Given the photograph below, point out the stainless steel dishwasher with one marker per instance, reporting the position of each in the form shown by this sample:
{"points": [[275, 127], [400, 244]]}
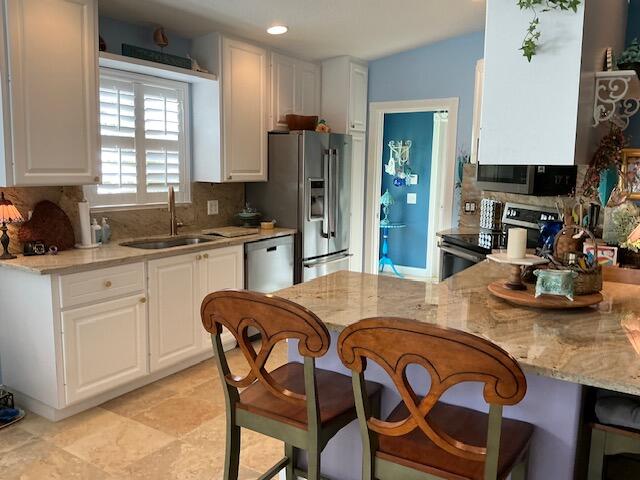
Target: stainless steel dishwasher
{"points": [[269, 264]]}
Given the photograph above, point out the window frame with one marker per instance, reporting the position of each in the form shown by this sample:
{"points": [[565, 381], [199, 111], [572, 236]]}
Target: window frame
{"points": [[143, 199]]}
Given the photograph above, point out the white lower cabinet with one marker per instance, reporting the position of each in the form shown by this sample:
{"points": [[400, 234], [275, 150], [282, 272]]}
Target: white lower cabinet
{"points": [[104, 346], [177, 286], [96, 334], [220, 269], [174, 330]]}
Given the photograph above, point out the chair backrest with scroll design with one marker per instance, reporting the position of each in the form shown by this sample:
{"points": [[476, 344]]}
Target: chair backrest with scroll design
{"points": [[450, 357], [276, 319]]}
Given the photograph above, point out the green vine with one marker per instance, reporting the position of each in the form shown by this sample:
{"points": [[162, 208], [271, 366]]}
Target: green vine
{"points": [[531, 39]]}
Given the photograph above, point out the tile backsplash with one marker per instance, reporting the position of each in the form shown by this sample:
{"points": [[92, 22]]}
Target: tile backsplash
{"points": [[136, 222]]}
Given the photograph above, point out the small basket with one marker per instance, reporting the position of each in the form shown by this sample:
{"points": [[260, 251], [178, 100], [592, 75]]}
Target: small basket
{"points": [[586, 283], [302, 122]]}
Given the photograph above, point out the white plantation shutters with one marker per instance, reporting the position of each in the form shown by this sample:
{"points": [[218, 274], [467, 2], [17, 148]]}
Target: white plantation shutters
{"points": [[144, 132], [162, 132], [118, 130]]}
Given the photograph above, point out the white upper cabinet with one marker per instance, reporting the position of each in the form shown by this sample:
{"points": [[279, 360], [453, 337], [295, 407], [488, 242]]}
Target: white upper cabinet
{"points": [[244, 106], [541, 112], [242, 70], [358, 80], [308, 81], [344, 94], [283, 89], [49, 93], [295, 89]]}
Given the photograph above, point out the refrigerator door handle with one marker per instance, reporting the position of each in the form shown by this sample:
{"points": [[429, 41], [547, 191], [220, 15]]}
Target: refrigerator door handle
{"points": [[317, 263], [326, 219], [332, 194], [336, 192]]}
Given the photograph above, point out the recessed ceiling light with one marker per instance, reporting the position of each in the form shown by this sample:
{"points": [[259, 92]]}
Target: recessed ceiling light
{"points": [[277, 30]]}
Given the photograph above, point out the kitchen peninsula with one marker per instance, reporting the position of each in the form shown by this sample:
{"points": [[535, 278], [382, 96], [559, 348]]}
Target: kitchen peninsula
{"points": [[560, 351]]}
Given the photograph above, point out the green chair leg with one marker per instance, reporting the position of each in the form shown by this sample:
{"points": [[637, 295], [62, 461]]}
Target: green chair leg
{"points": [[290, 453], [232, 452], [596, 454], [313, 460]]}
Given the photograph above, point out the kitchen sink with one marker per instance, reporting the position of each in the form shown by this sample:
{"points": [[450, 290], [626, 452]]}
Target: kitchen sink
{"points": [[168, 242]]}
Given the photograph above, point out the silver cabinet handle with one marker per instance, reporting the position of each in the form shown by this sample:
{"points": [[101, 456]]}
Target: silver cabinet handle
{"points": [[458, 253]]}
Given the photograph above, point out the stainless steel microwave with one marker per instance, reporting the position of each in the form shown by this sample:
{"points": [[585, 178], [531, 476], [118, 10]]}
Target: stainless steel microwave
{"points": [[539, 180]]}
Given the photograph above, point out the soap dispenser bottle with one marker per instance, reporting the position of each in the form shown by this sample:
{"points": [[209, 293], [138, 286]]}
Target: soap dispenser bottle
{"points": [[96, 236], [106, 230]]}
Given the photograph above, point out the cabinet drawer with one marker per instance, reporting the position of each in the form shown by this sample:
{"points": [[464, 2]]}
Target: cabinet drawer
{"points": [[86, 287]]}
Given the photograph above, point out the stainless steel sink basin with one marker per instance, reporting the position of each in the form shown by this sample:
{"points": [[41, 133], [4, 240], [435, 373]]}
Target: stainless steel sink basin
{"points": [[168, 242]]}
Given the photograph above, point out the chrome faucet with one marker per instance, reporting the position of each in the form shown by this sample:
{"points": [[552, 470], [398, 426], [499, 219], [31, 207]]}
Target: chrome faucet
{"points": [[174, 224]]}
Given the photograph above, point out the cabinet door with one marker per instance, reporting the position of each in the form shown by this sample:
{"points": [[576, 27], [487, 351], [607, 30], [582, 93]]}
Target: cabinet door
{"points": [[308, 78], [221, 269], [358, 79], [356, 233], [53, 64], [174, 315], [477, 109], [283, 89], [104, 346], [244, 104]]}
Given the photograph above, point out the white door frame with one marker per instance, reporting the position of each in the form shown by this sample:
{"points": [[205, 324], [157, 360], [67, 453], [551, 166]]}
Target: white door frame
{"points": [[441, 185]]}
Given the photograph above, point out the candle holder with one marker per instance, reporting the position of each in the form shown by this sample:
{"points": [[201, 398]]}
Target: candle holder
{"points": [[514, 282]]}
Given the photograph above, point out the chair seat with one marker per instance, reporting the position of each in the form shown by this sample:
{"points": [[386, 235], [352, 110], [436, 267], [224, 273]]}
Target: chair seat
{"points": [[417, 451], [335, 396]]}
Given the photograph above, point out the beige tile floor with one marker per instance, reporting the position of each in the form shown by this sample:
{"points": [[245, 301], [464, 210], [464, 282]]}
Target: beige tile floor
{"points": [[171, 429]]}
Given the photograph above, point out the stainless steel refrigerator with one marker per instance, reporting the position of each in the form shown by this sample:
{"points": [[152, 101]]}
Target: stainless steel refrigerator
{"points": [[309, 190]]}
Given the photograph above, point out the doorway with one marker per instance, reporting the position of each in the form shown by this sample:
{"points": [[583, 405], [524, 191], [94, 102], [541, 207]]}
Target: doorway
{"points": [[412, 156]]}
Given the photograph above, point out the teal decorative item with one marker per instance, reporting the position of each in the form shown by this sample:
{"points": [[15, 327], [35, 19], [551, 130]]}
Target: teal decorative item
{"points": [[386, 200], [608, 182], [555, 282]]}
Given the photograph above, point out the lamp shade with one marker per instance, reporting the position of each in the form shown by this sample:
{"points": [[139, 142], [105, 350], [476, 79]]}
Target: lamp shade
{"points": [[8, 211]]}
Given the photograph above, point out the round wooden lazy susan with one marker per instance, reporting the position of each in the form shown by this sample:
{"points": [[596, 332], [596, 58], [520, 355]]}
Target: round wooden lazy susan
{"points": [[527, 298]]}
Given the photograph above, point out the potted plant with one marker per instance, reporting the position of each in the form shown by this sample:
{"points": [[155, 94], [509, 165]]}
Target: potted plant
{"points": [[630, 58]]}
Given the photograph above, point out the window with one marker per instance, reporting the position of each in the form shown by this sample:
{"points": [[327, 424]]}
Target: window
{"points": [[145, 140]]}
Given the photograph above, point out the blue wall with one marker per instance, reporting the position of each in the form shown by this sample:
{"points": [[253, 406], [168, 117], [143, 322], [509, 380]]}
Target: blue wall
{"points": [[440, 70], [408, 246], [116, 32]]}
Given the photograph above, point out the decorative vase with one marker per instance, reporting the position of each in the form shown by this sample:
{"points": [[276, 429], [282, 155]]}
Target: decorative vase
{"points": [[608, 181]]}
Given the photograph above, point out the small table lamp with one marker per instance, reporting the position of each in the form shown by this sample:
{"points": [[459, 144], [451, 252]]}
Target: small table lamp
{"points": [[8, 214]]}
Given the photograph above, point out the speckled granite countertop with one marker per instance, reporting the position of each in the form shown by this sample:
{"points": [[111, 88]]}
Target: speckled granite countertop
{"points": [[112, 254], [598, 346]]}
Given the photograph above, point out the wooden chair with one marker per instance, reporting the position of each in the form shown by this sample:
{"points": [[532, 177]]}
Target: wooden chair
{"points": [[424, 438], [299, 404], [610, 440]]}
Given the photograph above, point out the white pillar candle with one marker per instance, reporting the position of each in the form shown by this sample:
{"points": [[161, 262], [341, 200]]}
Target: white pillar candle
{"points": [[517, 243]]}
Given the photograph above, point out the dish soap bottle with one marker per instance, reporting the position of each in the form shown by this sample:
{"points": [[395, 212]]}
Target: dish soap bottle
{"points": [[96, 234], [106, 230]]}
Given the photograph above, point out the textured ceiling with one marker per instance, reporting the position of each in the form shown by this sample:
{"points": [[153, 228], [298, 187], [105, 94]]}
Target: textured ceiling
{"points": [[319, 29]]}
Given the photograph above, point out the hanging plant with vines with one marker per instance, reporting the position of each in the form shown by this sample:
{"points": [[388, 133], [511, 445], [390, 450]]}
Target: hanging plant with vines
{"points": [[536, 7]]}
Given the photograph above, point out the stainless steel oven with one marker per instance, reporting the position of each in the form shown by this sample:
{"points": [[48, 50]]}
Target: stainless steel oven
{"points": [[454, 259]]}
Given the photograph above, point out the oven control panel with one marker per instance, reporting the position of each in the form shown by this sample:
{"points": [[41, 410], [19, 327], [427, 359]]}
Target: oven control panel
{"points": [[526, 215]]}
